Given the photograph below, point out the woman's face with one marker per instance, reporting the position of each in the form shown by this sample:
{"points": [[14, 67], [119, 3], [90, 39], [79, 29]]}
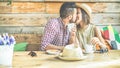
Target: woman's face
{"points": [[79, 16]]}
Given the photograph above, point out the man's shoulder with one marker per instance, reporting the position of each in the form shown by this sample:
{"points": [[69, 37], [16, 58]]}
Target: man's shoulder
{"points": [[54, 22], [54, 19]]}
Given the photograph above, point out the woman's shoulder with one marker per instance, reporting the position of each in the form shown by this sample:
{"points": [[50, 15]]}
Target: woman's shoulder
{"points": [[92, 25]]}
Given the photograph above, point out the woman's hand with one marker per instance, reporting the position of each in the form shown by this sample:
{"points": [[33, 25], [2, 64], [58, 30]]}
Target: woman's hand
{"points": [[96, 41]]}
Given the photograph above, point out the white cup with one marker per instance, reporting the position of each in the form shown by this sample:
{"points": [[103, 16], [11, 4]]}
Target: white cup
{"points": [[70, 26], [6, 55], [89, 48]]}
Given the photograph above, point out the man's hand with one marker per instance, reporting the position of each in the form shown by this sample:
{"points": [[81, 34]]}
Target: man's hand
{"points": [[72, 34], [73, 31]]}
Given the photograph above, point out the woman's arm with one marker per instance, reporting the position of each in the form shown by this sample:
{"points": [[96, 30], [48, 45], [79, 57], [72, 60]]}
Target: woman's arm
{"points": [[100, 38]]}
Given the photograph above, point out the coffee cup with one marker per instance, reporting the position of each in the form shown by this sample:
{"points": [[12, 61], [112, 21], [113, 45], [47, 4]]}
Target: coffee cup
{"points": [[71, 26], [89, 48]]}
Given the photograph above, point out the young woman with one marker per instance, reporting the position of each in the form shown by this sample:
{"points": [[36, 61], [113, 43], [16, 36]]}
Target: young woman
{"points": [[88, 33]]}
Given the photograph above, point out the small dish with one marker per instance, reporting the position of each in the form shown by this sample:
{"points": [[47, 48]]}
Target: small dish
{"points": [[89, 52], [53, 52], [72, 58]]}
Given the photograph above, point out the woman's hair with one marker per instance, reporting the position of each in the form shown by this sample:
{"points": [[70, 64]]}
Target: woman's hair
{"points": [[85, 18], [67, 9]]}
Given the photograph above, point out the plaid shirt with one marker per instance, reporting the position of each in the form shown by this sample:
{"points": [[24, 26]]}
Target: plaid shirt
{"points": [[55, 33]]}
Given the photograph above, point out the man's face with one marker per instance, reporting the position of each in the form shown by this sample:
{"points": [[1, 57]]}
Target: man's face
{"points": [[74, 16]]}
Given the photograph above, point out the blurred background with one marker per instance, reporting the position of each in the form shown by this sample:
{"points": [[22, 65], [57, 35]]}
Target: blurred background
{"points": [[25, 19]]}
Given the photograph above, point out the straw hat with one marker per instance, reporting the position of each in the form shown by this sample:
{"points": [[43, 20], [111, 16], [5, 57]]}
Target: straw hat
{"points": [[85, 7]]}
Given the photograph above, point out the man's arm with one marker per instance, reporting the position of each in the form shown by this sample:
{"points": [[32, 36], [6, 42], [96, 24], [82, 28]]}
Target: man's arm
{"points": [[50, 46], [49, 34], [72, 35], [48, 37], [73, 38]]}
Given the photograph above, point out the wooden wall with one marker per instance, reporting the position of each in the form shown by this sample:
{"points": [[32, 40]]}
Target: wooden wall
{"points": [[25, 19]]}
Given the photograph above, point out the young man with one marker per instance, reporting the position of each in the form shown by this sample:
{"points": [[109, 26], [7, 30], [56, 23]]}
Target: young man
{"points": [[56, 34]]}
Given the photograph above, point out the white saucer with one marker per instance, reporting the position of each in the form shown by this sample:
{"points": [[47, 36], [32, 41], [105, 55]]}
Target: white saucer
{"points": [[53, 52], [89, 52], [72, 58]]}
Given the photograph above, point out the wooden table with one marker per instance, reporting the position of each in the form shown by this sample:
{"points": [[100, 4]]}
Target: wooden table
{"points": [[96, 60]]}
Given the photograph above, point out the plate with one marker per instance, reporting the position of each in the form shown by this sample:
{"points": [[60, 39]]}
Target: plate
{"points": [[72, 58], [53, 52], [89, 52]]}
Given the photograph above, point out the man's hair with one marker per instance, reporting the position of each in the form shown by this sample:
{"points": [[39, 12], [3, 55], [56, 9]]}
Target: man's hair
{"points": [[67, 9]]}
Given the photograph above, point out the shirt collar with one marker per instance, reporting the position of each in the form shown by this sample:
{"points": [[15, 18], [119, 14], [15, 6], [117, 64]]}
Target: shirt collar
{"points": [[61, 22]]}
